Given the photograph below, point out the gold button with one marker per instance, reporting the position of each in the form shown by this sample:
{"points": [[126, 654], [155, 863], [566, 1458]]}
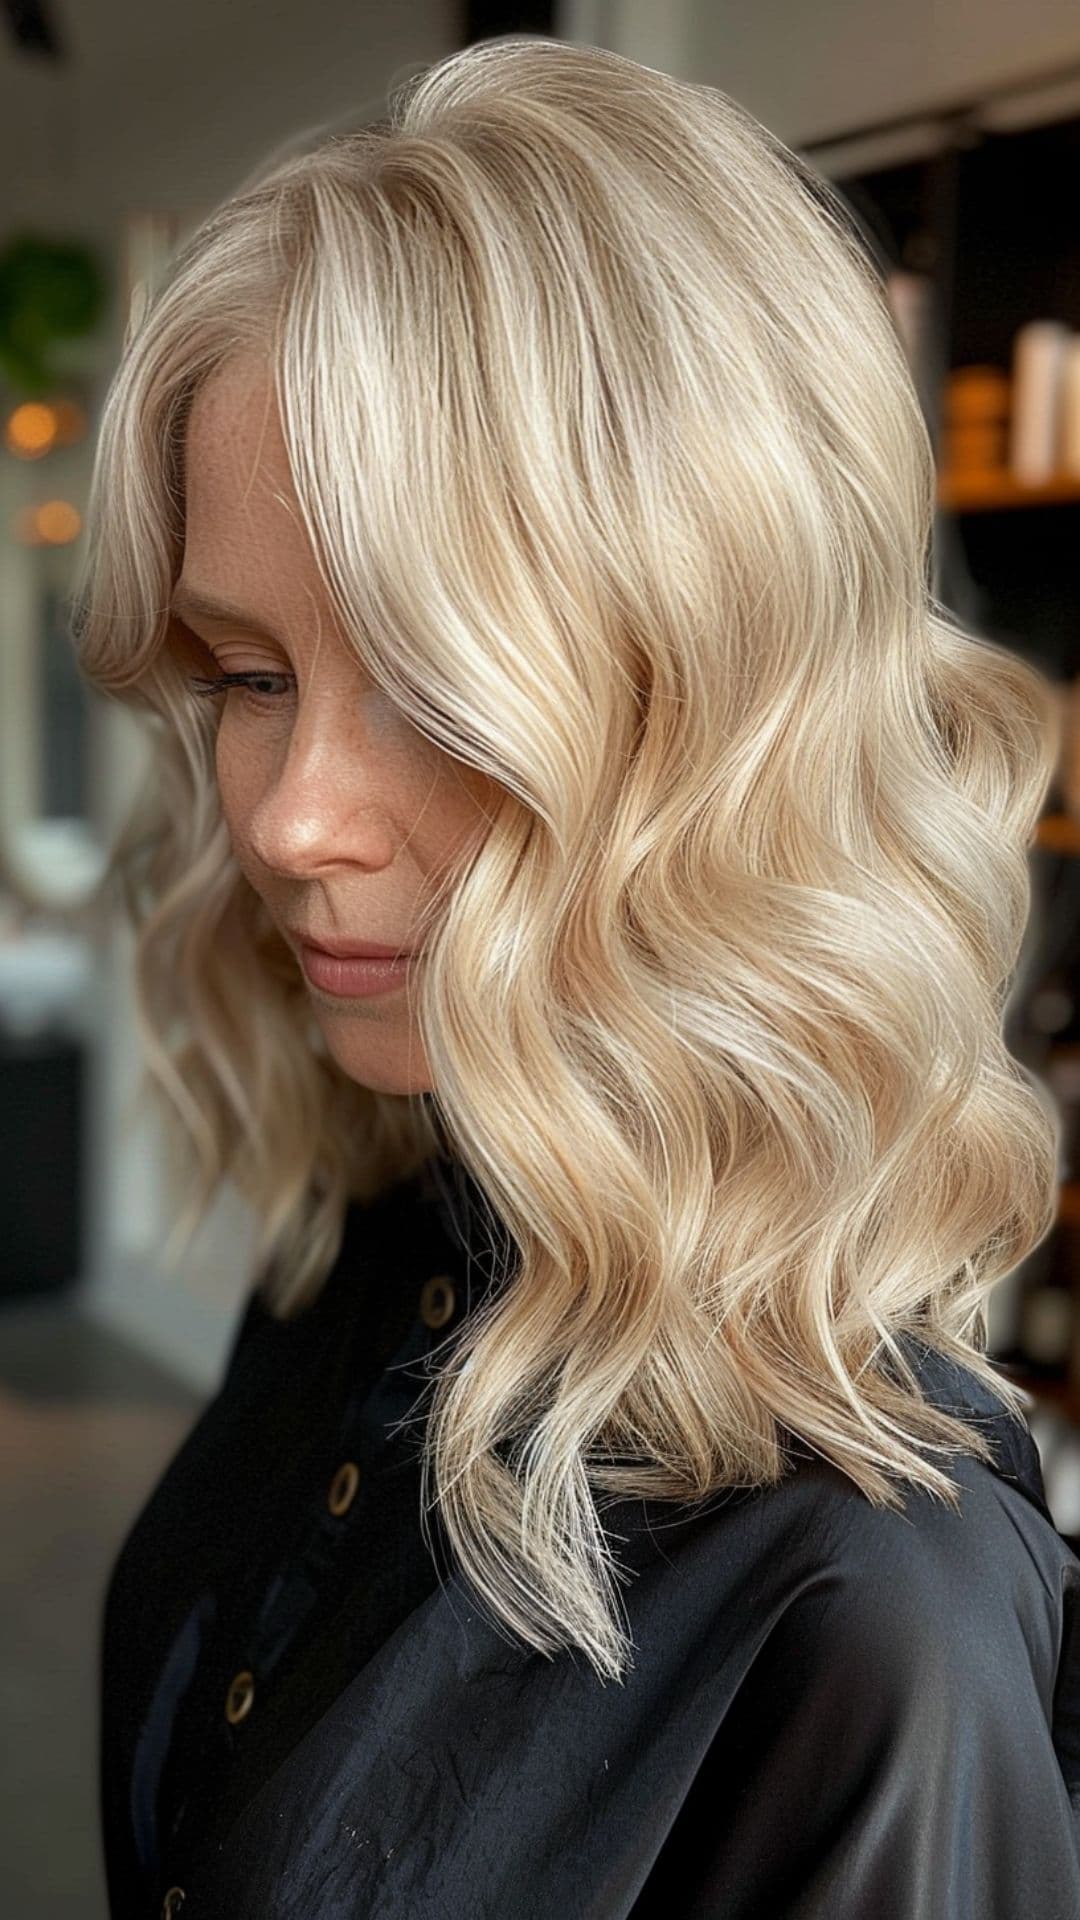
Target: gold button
{"points": [[172, 1903], [437, 1300], [343, 1486], [239, 1697]]}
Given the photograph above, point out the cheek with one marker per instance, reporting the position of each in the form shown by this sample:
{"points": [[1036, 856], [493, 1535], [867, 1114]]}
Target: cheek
{"points": [[467, 804], [237, 780]]}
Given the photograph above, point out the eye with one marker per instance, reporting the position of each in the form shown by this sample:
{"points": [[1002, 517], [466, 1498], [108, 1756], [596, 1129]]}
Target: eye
{"points": [[208, 689]]}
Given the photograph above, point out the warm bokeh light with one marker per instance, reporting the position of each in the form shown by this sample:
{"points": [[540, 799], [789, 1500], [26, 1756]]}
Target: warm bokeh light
{"points": [[31, 429], [58, 521], [34, 427], [48, 523]]}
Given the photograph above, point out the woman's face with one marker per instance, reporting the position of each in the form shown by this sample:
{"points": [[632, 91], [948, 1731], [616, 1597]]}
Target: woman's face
{"points": [[341, 815]]}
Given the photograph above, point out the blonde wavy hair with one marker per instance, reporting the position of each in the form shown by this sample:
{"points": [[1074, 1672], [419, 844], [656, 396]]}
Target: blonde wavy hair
{"points": [[615, 472]]}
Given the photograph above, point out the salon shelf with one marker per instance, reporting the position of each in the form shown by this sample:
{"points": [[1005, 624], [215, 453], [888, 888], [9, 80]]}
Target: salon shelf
{"points": [[1058, 833], [988, 492]]}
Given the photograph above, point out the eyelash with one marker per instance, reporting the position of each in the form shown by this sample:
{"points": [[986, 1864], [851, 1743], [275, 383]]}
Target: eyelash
{"points": [[207, 688]]}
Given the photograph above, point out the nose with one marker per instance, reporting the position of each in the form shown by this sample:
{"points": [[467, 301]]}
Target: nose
{"points": [[330, 800]]}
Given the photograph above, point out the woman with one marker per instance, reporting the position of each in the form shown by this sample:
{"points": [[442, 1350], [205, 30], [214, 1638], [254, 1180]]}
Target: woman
{"points": [[511, 520]]}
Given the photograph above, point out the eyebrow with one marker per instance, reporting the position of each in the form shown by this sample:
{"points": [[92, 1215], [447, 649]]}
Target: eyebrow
{"points": [[189, 603]]}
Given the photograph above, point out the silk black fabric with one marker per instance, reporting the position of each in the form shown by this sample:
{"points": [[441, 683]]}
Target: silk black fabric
{"points": [[835, 1713]]}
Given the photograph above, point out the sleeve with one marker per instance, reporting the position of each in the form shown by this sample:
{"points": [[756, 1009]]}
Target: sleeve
{"points": [[895, 1753]]}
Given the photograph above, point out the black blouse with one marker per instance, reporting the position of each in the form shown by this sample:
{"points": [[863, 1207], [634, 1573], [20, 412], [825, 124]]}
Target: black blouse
{"points": [[835, 1713]]}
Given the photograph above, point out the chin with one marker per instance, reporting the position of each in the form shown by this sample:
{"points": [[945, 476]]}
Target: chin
{"points": [[381, 1061]]}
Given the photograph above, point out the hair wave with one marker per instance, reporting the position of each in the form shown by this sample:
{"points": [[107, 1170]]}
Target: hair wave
{"points": [[615, 472]]}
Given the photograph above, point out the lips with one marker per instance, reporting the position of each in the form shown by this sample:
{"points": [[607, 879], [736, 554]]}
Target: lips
{"points": [[354, 977], [354, 949]]}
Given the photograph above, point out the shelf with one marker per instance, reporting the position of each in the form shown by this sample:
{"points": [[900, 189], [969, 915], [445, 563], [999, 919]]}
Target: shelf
{"points": [[1058, 833], [988, 492], [1069, 1203]]}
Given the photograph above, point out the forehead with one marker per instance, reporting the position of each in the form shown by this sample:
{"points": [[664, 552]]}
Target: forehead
{"points": [[233, 429], [244, 538]]}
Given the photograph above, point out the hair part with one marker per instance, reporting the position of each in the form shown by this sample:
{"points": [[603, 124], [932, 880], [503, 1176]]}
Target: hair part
{"points": [[614, 469]]}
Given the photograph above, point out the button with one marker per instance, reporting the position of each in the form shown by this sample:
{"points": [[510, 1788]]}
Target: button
{"points": [[172, 1903], [437, 1300], [239, 1697], [343, 1486]]}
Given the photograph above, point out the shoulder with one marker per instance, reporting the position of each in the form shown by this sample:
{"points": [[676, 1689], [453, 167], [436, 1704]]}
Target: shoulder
{"points": [[995, 1551], [929, 1604]]}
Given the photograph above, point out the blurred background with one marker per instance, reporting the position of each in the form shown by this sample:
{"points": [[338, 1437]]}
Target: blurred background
{"points": [[953, 129]]}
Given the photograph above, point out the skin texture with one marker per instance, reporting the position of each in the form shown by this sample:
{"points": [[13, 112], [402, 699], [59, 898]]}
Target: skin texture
{"points": [[342, 816]]}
